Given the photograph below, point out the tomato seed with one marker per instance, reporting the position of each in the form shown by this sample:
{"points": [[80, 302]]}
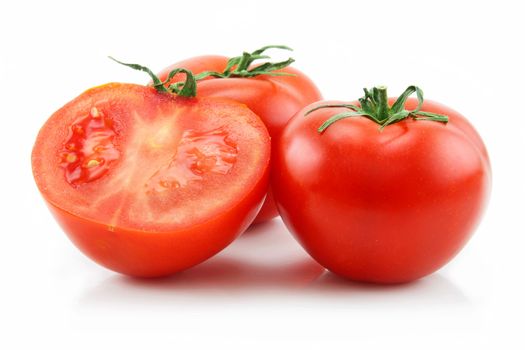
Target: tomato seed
{"points": [[94, 112], [71, 158], [92, 163]]}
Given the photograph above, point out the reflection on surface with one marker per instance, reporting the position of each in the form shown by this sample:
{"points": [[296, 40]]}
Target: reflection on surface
{"points": [[267, 260], [230, 274], [434, 289]]}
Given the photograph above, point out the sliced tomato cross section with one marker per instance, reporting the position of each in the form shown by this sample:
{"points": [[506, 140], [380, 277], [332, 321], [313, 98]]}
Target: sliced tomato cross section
{"points": [[148, 183]]}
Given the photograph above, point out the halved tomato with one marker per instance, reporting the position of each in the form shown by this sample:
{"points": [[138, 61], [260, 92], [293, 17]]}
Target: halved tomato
{"points": [[149, 183]]}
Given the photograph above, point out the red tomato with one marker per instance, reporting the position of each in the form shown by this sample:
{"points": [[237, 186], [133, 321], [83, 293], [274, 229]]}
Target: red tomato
{"points": [[148, 183], [273, 98], [384, 206]]}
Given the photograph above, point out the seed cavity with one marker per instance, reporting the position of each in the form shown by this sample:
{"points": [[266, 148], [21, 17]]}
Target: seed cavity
{"points": [[89, 149], [78, 129], [198, 154]]}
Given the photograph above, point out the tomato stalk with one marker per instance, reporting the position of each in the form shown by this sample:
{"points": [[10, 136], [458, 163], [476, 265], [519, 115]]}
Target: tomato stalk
{"points": [[239, 66], [374, 106], [187, 88], [382, 111]]}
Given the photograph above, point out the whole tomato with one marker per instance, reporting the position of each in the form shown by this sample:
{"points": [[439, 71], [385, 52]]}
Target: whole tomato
{"points": [[380, 190], [274, 91]]}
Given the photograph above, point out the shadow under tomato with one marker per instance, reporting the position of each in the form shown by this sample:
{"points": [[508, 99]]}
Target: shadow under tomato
{"points": [[231, 274], [218, 278], [267, 260], [262, 227]]}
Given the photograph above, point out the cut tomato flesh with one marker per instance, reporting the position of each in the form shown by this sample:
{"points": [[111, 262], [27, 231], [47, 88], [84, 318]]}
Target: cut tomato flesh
{"points": [[127, 156], [197, 154]]}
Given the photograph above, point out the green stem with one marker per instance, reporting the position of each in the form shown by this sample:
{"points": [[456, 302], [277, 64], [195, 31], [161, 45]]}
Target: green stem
{"points": [[188, 88], [382, 103], [374, 106], [239, 66], [244, 62]]}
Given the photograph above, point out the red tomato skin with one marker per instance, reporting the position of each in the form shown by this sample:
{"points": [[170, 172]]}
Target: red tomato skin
{"points": [[275, 99], [385, 206], [158, 254]]}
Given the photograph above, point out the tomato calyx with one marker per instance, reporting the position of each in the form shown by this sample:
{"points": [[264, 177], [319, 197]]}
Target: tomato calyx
{"points": [[239, 66], [187, 88], [374, 106]]}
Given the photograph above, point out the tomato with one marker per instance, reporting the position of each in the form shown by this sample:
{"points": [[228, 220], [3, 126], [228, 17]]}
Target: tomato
{"points": [[148, 183], [274, 98], [385, 203]]}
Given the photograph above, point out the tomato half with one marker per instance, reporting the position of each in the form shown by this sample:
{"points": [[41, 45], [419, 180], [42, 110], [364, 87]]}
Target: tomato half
{"points": [[148, 183], [275, 99], [385, 206]]}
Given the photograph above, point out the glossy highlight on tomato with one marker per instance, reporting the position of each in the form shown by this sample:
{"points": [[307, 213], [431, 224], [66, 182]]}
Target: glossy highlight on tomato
{"points": [[274, 98], [149, 183], [380, 204]]}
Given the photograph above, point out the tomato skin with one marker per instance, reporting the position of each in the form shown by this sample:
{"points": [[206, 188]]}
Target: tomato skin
{"points": [[275, 99], [385, 206], [149, 248], [147, 254]]}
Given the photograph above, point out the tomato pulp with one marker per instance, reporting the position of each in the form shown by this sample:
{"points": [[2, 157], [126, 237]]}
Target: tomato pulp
{"points": [[148, 183], [273, 98], [385, 206]]}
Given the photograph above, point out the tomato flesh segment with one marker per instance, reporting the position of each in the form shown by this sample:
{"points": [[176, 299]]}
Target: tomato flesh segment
{"points": [[89, 150], [197, 153]]}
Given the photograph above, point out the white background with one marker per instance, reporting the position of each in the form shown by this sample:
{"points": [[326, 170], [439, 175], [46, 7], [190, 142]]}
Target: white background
{"points": [[263, 290]]}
